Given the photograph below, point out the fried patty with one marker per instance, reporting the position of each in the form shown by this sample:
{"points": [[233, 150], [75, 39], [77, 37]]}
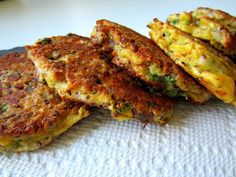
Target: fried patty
{"points": [[143, 59], [220, 16], [212, 69], [202, 26], [31, 114], [80, 72]]}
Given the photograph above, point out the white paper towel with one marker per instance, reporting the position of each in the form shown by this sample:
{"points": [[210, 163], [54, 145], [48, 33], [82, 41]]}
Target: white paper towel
{"points": [[199, 141]]}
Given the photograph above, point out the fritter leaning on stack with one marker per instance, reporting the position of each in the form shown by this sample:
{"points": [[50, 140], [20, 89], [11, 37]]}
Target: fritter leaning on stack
{"points": [[142, 58], [214, 26], [31, 114], [211, 68], [80, 72]]}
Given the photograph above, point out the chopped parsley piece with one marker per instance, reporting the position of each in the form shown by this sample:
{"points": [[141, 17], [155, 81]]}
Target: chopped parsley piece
{"points": [[124, 108], [45, 41], [49, 56], [169, 85], [16, 144], [150, 104], [4, 108], [174, 21], [47, 96], [186, 21], [164, 79], [175, 93], [69, 34]]}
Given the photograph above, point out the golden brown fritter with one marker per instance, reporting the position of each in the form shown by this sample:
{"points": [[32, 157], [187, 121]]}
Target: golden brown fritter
{"points": [[80, 72], [31, 114], [220, 16], [212, 69], [202, 24], [143, 59]]}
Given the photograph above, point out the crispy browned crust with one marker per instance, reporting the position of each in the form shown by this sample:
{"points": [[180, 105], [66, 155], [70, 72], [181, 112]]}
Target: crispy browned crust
{"points": [[86, 70], [28, 107], [111, 35]]}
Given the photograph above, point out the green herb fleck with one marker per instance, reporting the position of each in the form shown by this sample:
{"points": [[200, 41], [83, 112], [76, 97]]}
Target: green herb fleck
{"points": [[49, 56], [69, 34], [47, 96], [45, 41], [169, 79], [186, 22], [165, 79], [4, 108], [169, 85], [150, 104], [175, 93], [16, 144], [124, 108], [174, 21]]}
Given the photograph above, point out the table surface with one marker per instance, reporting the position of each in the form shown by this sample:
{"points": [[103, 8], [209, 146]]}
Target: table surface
{"points": [[24, 21]]}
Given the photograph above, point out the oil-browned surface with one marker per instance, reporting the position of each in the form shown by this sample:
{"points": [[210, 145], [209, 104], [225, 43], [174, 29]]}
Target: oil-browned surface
{"points": [[28, 108], [143, 54], [86, 76]]}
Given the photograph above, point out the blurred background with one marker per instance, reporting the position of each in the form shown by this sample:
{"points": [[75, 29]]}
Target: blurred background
{"points": [[24, 21]]}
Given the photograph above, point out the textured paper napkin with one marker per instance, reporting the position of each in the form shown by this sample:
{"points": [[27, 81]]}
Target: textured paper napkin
{"points": [[198, 141]]}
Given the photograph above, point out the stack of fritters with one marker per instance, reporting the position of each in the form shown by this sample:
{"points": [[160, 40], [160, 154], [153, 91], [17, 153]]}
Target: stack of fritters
{"points": [[80, 72], [117, 69], [31, 114]]}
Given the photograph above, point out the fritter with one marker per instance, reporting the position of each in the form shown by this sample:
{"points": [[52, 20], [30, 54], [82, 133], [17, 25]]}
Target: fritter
{"points": [[143, 59], [220, 16], [212, 69], [218, 34], [31, 114], [80, 72]]}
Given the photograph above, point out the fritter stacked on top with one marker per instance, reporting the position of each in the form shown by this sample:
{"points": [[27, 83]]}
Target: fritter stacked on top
{"points": [[222, 17], [31, 114], [80, 72], [143, 59], [212, 69], [214, 26]]}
